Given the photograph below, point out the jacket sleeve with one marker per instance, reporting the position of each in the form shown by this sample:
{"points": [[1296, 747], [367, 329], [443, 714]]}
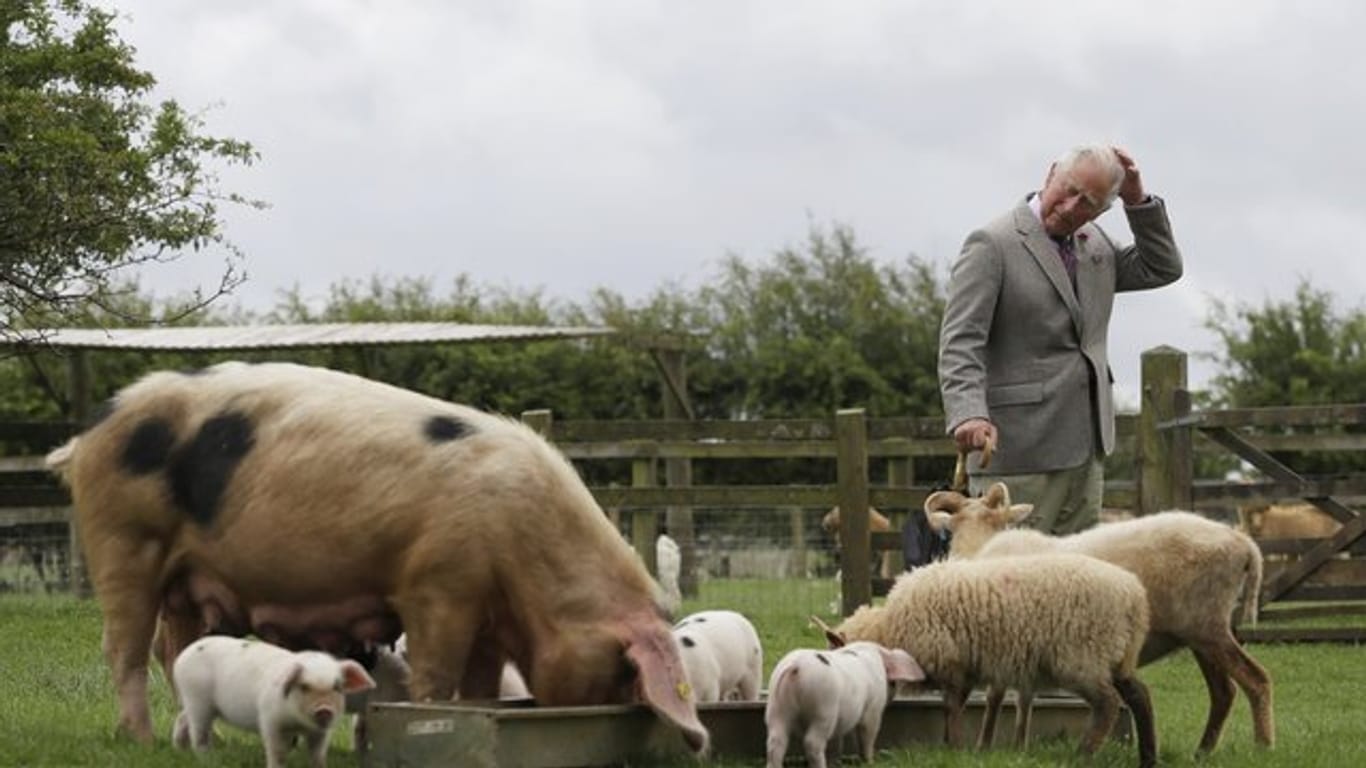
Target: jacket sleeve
{"points": [[1153, 260], [974, 288]]}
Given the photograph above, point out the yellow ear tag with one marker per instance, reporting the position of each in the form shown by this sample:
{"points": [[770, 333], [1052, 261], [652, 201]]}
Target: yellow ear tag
{"points": [[684, 690]]}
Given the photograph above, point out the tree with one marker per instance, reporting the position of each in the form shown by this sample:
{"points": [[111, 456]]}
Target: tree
{"points": [[93, 179], [825, 327], [1297, 352]]}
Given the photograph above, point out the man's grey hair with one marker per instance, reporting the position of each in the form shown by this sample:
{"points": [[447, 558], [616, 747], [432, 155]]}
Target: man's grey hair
{"points": [[1101, 154]]}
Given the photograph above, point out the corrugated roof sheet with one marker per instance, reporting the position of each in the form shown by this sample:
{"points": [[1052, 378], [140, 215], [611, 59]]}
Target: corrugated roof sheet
{"points": [[260, 337]]}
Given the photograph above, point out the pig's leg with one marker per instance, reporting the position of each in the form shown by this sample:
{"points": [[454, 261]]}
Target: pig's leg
{"points": [[198, 716], [130, 615], [867, 734], [175, 632], [277, 745], [483, 671], [817, 738], [317, 748], [777, 744], [442, 628], [180, 732]]}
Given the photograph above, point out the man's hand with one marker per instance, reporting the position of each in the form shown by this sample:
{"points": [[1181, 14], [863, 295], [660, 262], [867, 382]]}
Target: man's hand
{"points": [[973, 434], [1131, 188]]}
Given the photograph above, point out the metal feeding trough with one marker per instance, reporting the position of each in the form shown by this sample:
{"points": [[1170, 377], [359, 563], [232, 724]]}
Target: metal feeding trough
{"points": [[517, 734]]}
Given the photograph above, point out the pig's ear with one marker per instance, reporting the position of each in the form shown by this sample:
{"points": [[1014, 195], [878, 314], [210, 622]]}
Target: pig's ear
{"points": [[650, 648], [354, 678], [292, 678], [901, 667], [1018, 512]]}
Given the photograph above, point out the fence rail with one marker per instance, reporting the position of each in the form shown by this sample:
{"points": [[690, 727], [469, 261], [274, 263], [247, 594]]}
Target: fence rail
{"points": [[1154, 468]]}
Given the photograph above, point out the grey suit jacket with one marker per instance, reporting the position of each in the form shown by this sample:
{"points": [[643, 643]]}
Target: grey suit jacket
{"points": [[1019, 347]]}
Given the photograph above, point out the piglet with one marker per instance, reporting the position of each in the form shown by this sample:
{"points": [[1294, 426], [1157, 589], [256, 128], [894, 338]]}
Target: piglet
{"points": [[260, 687], [819, 695], [722, 656]]}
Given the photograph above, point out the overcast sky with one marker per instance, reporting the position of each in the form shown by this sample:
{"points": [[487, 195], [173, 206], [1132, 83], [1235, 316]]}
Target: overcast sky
{"points": [[562, 145]]}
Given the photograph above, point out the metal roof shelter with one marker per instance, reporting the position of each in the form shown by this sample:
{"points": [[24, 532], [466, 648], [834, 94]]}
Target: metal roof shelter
{"points": [[230, 338], [241, 338]]}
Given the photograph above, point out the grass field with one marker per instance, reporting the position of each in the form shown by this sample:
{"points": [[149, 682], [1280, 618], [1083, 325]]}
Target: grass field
{"points": [[57, 705]]}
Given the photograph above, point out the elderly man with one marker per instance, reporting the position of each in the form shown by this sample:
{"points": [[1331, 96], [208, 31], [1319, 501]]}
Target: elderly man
{"points": [[1022, 349]]}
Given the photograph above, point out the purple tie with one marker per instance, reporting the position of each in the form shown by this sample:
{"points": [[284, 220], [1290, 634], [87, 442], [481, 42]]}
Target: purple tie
{"points": [[1067, 249]]}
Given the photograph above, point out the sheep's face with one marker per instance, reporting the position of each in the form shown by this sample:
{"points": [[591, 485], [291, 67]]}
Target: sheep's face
{"points": [[973, 521]]}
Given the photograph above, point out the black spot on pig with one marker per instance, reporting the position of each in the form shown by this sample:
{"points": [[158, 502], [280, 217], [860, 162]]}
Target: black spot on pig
{"points": [[443, 429], [823, 659], [202, 468], [687, 642], [148, 447]]}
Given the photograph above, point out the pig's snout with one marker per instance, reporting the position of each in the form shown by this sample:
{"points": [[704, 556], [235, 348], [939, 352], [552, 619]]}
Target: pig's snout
{"points": [[323, 716]]}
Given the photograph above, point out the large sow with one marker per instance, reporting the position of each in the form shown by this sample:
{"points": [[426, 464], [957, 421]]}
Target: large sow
{"points": [[319, 509]]}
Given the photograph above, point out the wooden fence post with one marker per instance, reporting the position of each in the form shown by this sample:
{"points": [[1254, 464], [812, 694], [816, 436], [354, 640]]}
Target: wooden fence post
{"points": [[78, 391], [900, 474], [645, 522], [851, 450], [1165, 459], [678, 471]]}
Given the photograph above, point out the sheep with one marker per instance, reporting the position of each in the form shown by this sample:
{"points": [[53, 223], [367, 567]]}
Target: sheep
{"points": [[1287, 521], [1193, 570], [722, 654], [1056, 620], [321, 509], [887, 564], [819, 695], [259, 687], [669, 562]]}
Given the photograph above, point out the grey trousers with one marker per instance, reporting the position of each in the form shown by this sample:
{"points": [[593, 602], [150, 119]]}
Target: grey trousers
{"points": [[1065, 500]]}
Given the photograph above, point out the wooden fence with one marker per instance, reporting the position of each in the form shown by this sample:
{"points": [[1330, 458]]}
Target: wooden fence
{"points": [[1152, 469]]}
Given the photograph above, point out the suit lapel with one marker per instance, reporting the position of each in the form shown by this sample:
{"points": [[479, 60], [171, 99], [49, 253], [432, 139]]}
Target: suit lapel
{"points": [[1037, 243], [1088, 272]]}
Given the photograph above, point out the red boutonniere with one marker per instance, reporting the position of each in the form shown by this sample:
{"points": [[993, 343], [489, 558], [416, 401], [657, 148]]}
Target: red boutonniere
{"points": [[1081, 237]]}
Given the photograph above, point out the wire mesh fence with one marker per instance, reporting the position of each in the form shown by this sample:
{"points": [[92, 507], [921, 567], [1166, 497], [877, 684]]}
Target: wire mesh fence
{"points": [[35, 558]]}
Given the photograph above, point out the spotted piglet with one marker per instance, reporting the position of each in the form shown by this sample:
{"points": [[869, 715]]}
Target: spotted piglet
{"points": [[722, 656], [819, 695], [260, 687]]}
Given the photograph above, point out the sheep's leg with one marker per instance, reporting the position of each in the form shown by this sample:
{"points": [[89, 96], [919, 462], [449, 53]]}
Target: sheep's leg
{"points": [[1135, 695], [955, 699], [1221, 694], [1024, 712], [1104, 701], [1256, 684], [995, 697]]}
